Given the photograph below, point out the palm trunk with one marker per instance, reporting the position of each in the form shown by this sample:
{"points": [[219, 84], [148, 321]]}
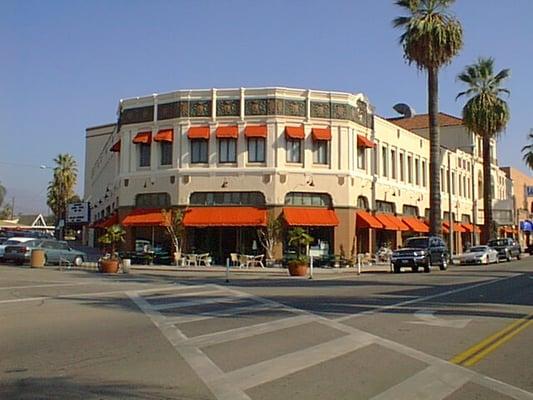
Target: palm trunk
{"points": [[435, 224], [487, 191]]}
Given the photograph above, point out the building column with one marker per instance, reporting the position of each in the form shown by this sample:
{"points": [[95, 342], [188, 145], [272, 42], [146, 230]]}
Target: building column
{"points": [[344, 233]]}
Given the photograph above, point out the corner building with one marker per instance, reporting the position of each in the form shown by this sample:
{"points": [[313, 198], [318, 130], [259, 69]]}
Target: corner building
{"points": [[232, 158]]}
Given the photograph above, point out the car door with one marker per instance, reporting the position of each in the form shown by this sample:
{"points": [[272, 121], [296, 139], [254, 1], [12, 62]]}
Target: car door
{"points": [[63, 251], [50, 249], [434, 250]]}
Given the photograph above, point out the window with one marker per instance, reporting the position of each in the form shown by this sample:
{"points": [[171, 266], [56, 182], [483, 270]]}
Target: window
{"points": [[152, 200], [402, 168], [410, 210], [385, 206], [417, 171], [320, 151], [443, 180], [198, 151], [453, 183], [409, 169], [468, 187], [424, 174], [294, 151], [362, 202], [227, 198], [361, 158], [227, 150], [256, 150], [393, 164], [166, 153], [384, 161], [144, 154], [308, 199]]}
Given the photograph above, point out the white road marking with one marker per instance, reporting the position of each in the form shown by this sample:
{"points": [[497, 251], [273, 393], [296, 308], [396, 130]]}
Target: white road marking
{"points": [[427, 317], [41, 286], [213, 300]]}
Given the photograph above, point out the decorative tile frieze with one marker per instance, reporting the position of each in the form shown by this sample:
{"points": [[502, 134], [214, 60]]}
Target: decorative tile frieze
{"points": [[183, 109], [295, 108], [320, 109], [228, 108], [200, 108], [136, 115], [168, 110], [339, 111], [255, 107]]}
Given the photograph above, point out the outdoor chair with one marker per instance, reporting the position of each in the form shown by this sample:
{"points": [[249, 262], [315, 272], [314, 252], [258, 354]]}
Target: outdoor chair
{"points": [[204, 259], [191, 259], [234, 259], [257, 261], [243, 260]]}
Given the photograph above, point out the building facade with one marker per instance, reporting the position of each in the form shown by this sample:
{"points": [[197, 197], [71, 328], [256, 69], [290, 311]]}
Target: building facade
{"points": [[233, 158]]}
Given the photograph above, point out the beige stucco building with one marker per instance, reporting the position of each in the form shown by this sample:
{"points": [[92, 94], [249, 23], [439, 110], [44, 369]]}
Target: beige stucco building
{"points": [[322, 160]]}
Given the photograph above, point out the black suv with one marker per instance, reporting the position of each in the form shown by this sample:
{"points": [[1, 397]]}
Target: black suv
{"points": [[421, 251], [507, 248]]}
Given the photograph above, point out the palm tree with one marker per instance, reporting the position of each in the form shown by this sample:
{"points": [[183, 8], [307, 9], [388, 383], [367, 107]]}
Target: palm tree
{"points": [[61, 188], [485, 114], [526, 150], [431, 38], [2, 193]]}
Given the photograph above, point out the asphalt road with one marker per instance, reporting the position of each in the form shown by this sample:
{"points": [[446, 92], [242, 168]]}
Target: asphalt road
{"points": [[465, 333]]}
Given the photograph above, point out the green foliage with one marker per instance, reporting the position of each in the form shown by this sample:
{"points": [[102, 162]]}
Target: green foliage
{"points": [[114, 235], [300, 239], [528, 151], [2, 193], [6, 212], [61, 187]]}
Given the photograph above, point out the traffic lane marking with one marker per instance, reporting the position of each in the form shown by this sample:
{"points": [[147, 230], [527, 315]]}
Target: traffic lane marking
{"points": [[476, 353]]}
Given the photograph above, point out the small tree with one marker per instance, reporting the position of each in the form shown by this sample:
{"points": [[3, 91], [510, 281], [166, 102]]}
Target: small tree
{"points": [[269, 235], [113, 236], [175, 228], [300, 239]]}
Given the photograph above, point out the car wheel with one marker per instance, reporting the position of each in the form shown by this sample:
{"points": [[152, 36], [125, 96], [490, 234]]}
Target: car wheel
{"points": [[444, 263], [396, 268], [19, 262], [78, 260], [414, 268], [519, 256], [507, 256], [45, 262]]}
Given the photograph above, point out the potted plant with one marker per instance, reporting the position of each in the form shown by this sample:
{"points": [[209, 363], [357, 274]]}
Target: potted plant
{"points": [[114, 235], [300, 239], [176, 231], [268, 237]]}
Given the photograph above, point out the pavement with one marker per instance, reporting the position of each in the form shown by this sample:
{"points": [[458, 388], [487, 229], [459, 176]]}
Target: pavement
{"points": [[459, 334]]}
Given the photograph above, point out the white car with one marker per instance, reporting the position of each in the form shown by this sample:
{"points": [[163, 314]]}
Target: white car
{"points": [[478, 255], [12, 241]]}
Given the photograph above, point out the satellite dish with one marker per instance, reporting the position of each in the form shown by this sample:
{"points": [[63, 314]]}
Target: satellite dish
{"points": [[404, 109]]}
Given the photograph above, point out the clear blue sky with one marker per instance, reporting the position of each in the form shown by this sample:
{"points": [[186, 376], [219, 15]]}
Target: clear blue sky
{"points": [[66, 64]]}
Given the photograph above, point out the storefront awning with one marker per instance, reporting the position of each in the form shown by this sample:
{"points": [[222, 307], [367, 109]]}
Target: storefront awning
{"points": [[255, 131], [471, 228], [116, 147], [164, 135], [299, 216], [227, 132], [415, 224], [109, 221], [198, 132], [456, 227], [143, 137], [364, 142], [145, 217], [321, 134], [526, 226], [366, 220], [391, 223], [224, 216], [294, 132]]}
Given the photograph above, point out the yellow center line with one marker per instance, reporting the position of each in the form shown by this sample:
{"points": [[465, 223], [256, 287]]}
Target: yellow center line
{"points": [[475, 353]]}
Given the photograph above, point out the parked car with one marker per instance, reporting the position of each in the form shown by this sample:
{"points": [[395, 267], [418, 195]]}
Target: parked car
{"points": [[507, 248], [478, 255], [10, 242], [421, 251], [19, 253], [55, 252]]}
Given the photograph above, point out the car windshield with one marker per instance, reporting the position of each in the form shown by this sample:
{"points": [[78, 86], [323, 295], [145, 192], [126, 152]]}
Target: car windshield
{"points": [[498, 242], [477, 249], [419, 243], [11, 242]]}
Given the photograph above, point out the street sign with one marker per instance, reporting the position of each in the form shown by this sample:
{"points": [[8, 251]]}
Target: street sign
{"points": [[78, 213], [529, 191]]}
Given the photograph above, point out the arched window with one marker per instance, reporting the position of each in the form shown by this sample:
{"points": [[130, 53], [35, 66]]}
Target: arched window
{"points": [[308, 199], [362, 203]]}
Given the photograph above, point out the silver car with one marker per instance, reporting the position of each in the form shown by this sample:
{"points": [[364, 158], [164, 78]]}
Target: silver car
{"points": [[478, 255]]}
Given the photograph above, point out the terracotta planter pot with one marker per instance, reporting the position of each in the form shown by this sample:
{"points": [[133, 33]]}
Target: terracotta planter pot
{"points": [[109, 266], [298, 269]]}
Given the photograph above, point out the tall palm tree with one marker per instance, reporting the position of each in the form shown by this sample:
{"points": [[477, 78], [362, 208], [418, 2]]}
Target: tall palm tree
{"points": [[61, 188], [485, 114], [526, 150], [431, 38], [2, 193]]}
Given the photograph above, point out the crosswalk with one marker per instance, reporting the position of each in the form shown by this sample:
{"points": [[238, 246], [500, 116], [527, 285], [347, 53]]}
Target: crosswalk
{"points": [[196, 318]]}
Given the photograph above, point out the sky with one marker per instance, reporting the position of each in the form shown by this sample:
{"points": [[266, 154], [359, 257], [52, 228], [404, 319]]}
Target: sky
{"points": [[66, 64]]}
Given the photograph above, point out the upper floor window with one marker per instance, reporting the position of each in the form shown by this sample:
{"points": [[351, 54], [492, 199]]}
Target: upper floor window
{"points": [[410, 210], [409, 169], [256, 150], [393, 164], [308, 199], [166, 153], [320, 151], [144, 154], [294, 150], [227, 198], [199, 151], [384, 161], [424, 174], [402, 167], [417, 172], [362, 202], [152, 200], [227, 150], [384, 206], [453, 182], [361, 157]]}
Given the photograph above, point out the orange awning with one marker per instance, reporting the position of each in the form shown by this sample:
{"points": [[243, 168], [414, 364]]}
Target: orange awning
{"points": [[398, 222], [224, 216], [294, 132], [299, 216], [321, 133], [366, 220], [111, 220], [364, 142], [416, 225], [143, 137], [198, 132], [164, 135], [387, 223], [255, 131], [471, 228], [145, 217], [227, 132], [456, 227], [116, 147]]}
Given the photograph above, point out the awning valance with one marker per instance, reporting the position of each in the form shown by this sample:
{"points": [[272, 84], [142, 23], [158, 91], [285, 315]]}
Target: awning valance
{"points": [[255, 131], [224, 216], [145, 217], [164, 135], [400, 225], [321, 134], [143, 137], [456, 227], [366, 220], [415, 225], [116, 147], [364, 142], [294, 132], [391, 222], [299, 216], [198, 132], [227, 132]]}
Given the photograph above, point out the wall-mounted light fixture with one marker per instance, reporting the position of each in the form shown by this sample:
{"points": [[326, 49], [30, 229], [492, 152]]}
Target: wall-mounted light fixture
{"points": [[310, 182], [224, 183]]}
